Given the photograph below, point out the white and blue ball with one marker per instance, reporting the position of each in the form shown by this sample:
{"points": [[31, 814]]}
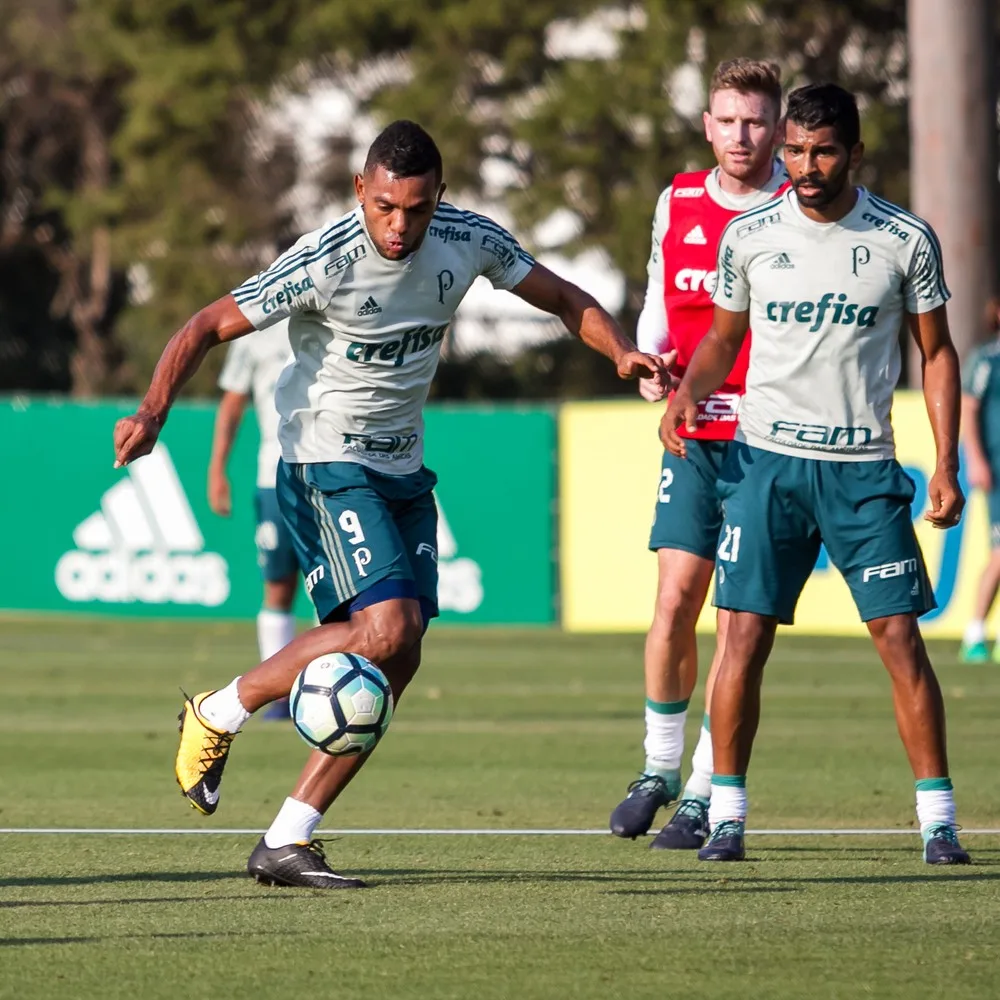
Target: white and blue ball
{"points": [[341, 704]]}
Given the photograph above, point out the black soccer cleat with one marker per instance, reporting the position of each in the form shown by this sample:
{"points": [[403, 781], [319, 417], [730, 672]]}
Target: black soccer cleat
{"points": [[634, 815], [299, 865], [687, 829], [725, 843], [941, 846]]}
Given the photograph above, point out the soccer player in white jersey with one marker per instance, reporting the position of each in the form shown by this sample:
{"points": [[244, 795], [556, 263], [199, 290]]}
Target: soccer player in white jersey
{"points": [[368, 299], [744, 106], [250, 373], [825, 277]]}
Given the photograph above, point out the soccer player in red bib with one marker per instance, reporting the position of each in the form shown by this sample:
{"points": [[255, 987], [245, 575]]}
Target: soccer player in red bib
{"points": [[742, 125]]}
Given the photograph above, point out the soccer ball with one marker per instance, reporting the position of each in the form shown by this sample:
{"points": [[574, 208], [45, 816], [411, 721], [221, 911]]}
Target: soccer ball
{"points": [[341, 704]]}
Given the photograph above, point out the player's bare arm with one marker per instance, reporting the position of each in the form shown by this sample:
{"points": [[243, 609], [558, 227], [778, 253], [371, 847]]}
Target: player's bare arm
{"points": [[227, 424], [980, 476], [942, 392], [712, 361], [584, 317], [217, 323]]}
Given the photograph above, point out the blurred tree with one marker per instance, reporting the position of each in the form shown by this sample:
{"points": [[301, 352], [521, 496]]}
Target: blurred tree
{"points": [[126, 131]]}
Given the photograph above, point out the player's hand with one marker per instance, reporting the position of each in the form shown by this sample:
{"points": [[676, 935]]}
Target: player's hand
{"points": [[946, 499], [653, 391], [135, 437], [682, 410], [220, 497], [980, 476], [637, 364]]}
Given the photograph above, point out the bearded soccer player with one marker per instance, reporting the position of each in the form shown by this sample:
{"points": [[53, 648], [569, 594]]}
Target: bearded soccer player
{"points": [[368, 300], [825, 276], [741, 123]]}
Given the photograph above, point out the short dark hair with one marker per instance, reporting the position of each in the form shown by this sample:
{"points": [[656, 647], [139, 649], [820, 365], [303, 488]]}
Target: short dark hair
{"points": [[747, 76], [821, 105], [405, 149]]}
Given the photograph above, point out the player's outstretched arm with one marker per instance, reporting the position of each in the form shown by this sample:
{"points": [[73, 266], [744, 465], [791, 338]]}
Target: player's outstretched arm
{"points": [[942, 393], [583, 316], [711, 362], [217, 323]]}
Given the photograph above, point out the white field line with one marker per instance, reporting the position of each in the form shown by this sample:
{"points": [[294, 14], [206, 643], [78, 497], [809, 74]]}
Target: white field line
{"points": [[375, 832]]}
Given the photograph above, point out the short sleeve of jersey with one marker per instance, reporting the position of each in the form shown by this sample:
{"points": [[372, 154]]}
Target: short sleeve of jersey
{"points": [[976, 376], [294, 283], [923, 287], [237, 371], [502, 259], [732, 287], [661, 222]]}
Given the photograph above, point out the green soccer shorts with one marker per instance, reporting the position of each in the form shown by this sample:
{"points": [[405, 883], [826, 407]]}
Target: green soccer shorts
{"points": [[778, 510], [361, 537], [688, 515]]}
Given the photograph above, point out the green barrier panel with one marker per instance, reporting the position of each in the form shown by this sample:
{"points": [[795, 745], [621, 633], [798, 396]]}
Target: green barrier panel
{"points": [[85, 537]]}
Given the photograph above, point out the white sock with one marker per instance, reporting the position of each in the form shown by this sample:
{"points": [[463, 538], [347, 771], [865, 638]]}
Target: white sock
{"points": [[935, 805], [729, 801], [275, 630], [975, 632], [699, 785], [664, 743], [224, 710], [294, 824]]}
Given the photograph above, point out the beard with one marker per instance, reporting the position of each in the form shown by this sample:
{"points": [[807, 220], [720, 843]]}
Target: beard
{"points": [[827, 190]]}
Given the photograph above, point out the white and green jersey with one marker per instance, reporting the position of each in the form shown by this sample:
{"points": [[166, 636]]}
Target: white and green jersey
{"points": [[253, 364], [366, 332], [826, 304]]}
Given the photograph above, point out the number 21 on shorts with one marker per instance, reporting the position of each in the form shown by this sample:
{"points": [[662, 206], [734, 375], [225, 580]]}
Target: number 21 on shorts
{"points": [[729, 550]]}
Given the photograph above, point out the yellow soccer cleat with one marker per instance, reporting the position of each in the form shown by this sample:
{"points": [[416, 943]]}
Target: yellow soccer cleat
{"points": [[201, 757]]}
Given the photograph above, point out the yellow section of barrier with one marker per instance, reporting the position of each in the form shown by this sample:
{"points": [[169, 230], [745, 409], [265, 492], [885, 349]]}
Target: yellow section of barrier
{"points": [[608, 477]]}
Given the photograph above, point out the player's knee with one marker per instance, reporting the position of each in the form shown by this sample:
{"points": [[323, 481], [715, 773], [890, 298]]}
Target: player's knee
{"points": [[747, 635], [897, 638], [392, 629], [677, 606]]}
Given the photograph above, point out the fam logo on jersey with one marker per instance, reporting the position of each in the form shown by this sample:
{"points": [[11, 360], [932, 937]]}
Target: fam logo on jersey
{"points": [[845, 313], [289, 292], [143, 545], [345, 259], [758, 223], [499, 249], [451, 234], [460, 579]]}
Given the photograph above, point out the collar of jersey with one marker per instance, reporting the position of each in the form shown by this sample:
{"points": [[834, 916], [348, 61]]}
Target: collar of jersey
{"points": [[745, 202], [803, 219]]}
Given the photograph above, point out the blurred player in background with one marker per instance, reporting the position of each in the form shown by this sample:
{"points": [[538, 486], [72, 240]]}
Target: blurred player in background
{"points": [[369, 299], [251, 372], [981, 437], [741, 123], [825, 276]]}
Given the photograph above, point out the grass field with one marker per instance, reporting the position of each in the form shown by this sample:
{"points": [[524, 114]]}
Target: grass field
{"points": [[502, 730]]}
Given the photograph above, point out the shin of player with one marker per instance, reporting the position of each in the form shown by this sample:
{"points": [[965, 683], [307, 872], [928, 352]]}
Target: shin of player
{"points": [[250, 373], [814, 461], [741, 124], [368, 300], [981, 436]]}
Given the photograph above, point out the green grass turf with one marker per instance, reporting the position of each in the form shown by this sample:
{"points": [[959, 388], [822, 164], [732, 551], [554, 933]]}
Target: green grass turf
{"points": [[501, 730]]}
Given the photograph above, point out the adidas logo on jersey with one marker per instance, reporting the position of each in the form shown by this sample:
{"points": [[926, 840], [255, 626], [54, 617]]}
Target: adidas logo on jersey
{"points": [[370, 307], [696, 236], [782, 263], [143, 545]]}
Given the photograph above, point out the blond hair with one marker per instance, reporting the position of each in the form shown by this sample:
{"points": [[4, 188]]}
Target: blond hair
{"points": [[748, 76]]}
